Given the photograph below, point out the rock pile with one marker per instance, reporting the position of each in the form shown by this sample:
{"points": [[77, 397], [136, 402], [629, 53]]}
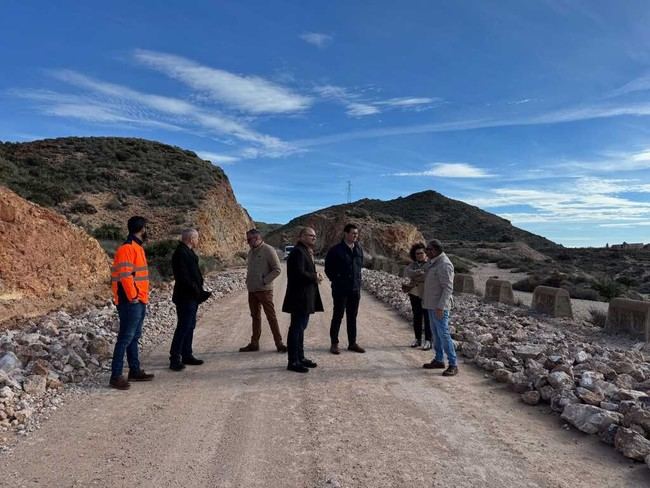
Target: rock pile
{"points": [[584, 375], [37, 360]]}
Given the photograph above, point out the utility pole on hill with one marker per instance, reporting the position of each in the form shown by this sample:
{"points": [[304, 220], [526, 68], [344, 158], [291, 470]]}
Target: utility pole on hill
{"points": [[349, 191]]}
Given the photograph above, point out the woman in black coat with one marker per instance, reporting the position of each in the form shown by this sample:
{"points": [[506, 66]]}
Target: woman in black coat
{"points": [[302, 298]]}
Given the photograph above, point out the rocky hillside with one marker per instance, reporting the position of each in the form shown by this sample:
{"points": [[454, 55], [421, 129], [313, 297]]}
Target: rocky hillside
{"points": [[446, 219], [98, 182], [45, 262], [381, 240]]}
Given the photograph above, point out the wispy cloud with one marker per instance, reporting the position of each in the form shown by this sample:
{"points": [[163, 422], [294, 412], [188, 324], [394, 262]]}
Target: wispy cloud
{"points": [[642, 83], [358, 106], [316, 38], [251, 94], [572, 114], [216, 158], [450, 170], [592, 200], [104, 102]]}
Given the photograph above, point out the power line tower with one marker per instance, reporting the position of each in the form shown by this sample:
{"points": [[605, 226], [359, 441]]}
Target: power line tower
{"points": [[349, 191]]}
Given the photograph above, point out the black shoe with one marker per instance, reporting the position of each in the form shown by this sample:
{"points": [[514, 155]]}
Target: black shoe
{"points": [[281, 348], [249, 348], [176, 366], [298, 368], [308, 363], [192, 361], [140, 375], [450, 371], [356, 348], [434, 365]]}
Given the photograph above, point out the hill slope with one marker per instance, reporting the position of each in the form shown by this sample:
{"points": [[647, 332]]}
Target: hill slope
{"points": [[433, 214], [98, 182]]}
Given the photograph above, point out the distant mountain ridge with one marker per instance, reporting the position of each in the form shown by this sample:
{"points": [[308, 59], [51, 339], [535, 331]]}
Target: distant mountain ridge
{"points": [[433, 214]]}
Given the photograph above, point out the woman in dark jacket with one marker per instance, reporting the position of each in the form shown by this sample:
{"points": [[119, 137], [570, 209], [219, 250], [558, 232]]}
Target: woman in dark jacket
{"points": [[415, 272], [302, 298]]}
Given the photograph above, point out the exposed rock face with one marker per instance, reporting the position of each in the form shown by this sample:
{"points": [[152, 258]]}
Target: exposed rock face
{"points": [[379, 239], [222, 222], [46, 262]]}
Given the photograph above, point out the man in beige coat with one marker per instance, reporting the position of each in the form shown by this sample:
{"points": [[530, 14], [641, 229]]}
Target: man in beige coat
{"points": [[263, 267]]}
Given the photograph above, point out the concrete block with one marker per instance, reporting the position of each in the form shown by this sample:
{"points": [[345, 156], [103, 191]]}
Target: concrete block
{"points": [[463, 283], [629, 316], [552, 301], [499, 291]]}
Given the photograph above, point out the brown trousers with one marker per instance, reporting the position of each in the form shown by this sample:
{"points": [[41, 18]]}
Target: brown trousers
{"points": [[256, 301]]}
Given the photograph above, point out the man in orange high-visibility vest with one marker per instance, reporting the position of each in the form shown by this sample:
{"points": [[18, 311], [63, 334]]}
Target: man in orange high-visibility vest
{"points": [[130, 284]]}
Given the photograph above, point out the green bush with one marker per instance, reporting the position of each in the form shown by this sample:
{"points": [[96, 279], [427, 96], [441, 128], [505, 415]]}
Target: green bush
{"points": [[608, 288], [109, 232], [159, 257]]}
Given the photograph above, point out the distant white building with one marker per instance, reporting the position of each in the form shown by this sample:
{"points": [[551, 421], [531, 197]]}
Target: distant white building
{"points": [[629, 246]]}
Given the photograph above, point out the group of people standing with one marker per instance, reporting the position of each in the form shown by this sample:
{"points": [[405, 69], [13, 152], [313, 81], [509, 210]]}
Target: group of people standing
{"points": [[431, 275]]}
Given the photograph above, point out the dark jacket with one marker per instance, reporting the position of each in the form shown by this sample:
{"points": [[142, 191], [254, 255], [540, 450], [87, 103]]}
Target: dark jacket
{"points": [[343, 267], [302, 283], [189, 281]]}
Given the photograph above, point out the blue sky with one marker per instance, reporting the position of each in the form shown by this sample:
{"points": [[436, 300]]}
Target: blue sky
{"points": [[537, 111]]}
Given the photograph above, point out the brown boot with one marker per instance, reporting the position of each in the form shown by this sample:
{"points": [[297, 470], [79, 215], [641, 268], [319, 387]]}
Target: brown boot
{"points": [[334, 349], [281, 347], [249, 348], [140, 375], [119, 383], [434, 365], [356, 348]]}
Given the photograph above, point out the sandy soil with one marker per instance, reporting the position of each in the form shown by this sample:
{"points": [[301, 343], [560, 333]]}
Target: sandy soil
{"points": [[581, 308], [371, 420]]}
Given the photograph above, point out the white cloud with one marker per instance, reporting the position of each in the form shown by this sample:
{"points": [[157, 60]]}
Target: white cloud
{"points": [[582, 200], [317, 39], [641, 83], [251, 94], [217, 158], [408, 102], [450, 170], [360, 109]]}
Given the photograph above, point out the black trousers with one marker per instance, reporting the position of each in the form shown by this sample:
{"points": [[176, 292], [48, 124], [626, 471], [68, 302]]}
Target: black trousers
{"points": [[348, 304], [296, 337], [184, 333], [420, 315]]}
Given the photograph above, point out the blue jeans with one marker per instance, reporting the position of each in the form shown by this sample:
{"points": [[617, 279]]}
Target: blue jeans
{"points": [[442, 337], [184, 334], [296, 337], [131, 319]]}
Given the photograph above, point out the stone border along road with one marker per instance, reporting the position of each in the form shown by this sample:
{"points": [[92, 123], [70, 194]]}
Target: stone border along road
{"points": [[598, 383], [58, 349]]}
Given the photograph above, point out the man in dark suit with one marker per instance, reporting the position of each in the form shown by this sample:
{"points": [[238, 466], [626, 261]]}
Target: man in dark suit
{"points": [[188, 294], [302, 298], [343, 268]]}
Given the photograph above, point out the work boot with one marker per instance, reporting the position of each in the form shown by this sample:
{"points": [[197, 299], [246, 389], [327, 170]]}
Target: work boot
{"points": [[434, 365], [249, 348], [140, 375], [356, 348], [281, 348], [192, 361], [450, 371], [119, 383], [334, 349]]}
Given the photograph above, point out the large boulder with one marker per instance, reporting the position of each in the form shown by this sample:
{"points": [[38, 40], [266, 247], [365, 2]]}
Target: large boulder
{"points": [[588, 418]]}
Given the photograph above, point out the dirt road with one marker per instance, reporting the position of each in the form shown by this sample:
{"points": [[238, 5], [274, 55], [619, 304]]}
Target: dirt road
{"points": [[358, 420]]}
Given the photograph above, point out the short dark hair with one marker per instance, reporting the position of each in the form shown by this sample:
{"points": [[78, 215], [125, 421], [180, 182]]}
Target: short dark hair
{"points": [[436, 245], [252, 232], [136, 224], [415, 247], [349, 227]]}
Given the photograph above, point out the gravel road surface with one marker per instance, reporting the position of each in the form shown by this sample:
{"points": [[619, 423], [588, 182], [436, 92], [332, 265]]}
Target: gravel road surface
{"points": [[358, 420]]}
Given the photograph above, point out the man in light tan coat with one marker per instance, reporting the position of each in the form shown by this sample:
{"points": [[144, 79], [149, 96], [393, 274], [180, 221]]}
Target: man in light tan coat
{"points": [[263, 267]]}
